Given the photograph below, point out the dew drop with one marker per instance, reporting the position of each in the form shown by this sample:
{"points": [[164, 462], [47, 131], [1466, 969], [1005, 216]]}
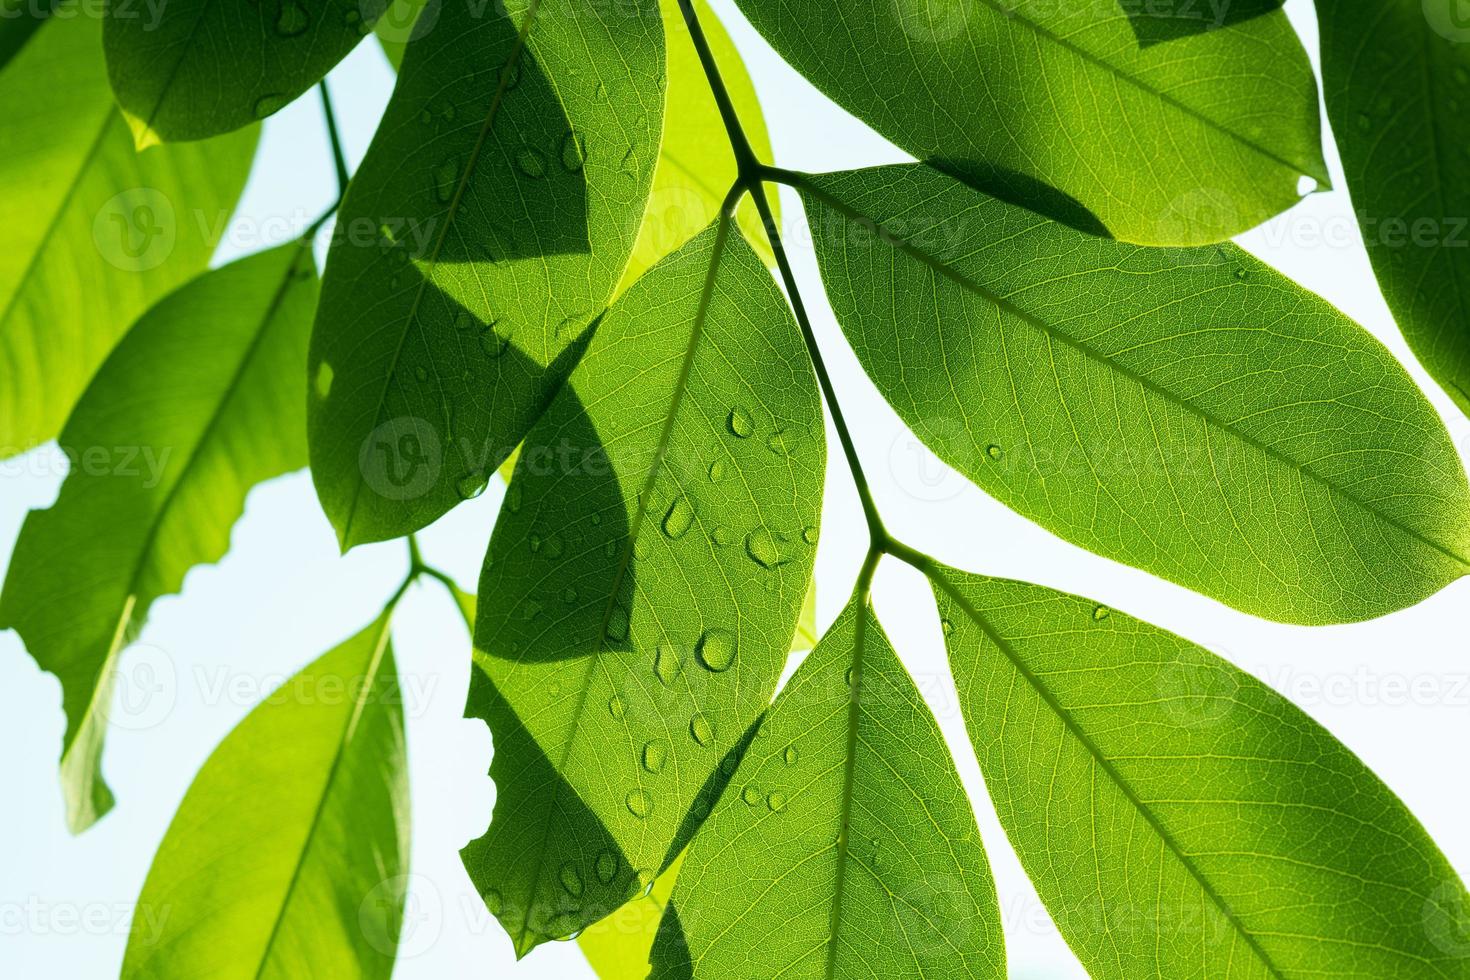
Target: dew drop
{"points": [[615, 707], [717, 471], [639, 803], [1241, 273], [268, 105], [654, 755], [668, 664], [947, 626], [700, 729], [573, 151], [446, 177], [994, 451], [555, 547], [740, 423], [721, 535], [600, 93], [510, 75], [716, 650], [1100, 613], [790, 755], [531, 162], [809, 534], [606, 867], [571, 879], [617, 624], [492, 342], [679, 517], [471, 485], [783, 442], [751, 795], [776, 801], [535, 542], [421, 374], [762, 547], [513, 499], [292, 19]]}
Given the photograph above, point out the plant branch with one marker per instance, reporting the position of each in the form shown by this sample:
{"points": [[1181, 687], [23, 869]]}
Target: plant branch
{"points": [[339, 159]]}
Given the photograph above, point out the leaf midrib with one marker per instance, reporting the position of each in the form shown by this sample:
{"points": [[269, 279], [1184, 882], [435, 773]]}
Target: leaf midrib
{"points": [[349, 730], [938, 576], [452, 211], [722, 228], [807, 186]]}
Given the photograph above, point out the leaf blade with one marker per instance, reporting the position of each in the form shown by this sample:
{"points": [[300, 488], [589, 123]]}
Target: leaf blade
{"points": [[1188, 142], [481, 255], [618, 664], [230, 401], [846, 845], [102, 231], [1217, 825], [1392, 78], [309, 880], [1184, 411]]}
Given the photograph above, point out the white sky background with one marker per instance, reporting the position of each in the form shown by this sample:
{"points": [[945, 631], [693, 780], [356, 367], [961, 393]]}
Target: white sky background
{"points": [[1396, 690]]}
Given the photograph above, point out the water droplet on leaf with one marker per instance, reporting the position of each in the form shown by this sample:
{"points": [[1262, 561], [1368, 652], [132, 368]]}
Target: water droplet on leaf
{"points": [[531, 162], [679, 517], [700, 729], [740, 423], [654, 754], [639, 803], [716, 650]]}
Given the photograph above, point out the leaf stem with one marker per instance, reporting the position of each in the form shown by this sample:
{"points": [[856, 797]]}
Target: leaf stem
{"points": [[339, 159]]}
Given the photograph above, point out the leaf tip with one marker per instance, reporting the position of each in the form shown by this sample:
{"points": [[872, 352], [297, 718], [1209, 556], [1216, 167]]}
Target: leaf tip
{"points": [[144, 134]]}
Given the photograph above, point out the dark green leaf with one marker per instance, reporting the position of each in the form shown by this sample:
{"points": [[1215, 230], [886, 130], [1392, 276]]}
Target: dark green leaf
{"points": [[845, 846], [1061, 107], [187, 69], [1179, 818], [95, 232], [643, 586], [1396, 77], [177, 427], [288, 856], [1188, 411], [487, 227]]}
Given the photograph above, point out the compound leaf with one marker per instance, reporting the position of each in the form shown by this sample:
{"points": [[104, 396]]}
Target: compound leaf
{"points": [[289, 854], [99, 233], [846, 846], [488, 225], [1396, 77], [1064, 108], [1178, 817], [188, 69], [178, 425], [1188, 411], [642, 586]]}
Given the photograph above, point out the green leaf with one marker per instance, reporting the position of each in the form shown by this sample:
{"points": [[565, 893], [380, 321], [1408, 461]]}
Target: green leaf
{"points": [[289, 854], [188, 69], [618, 947], [98, 233], [1396, 76], [696, 166], [1060, 107], [642, 586], [1187, 411], [491, 219], [846, 845], [177, 427], [1177, 816], [19, 20]]}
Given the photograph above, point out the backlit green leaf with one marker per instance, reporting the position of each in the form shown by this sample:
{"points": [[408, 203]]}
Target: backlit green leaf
{"points": [[845, 845], [187, 69], [1396, 77], [1063, 107], [487, 227], [94, 232], [288, 856], [1178, 817], [642, 586], [695, 165], [1188, 411], [177, 427], [618, 947]]}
